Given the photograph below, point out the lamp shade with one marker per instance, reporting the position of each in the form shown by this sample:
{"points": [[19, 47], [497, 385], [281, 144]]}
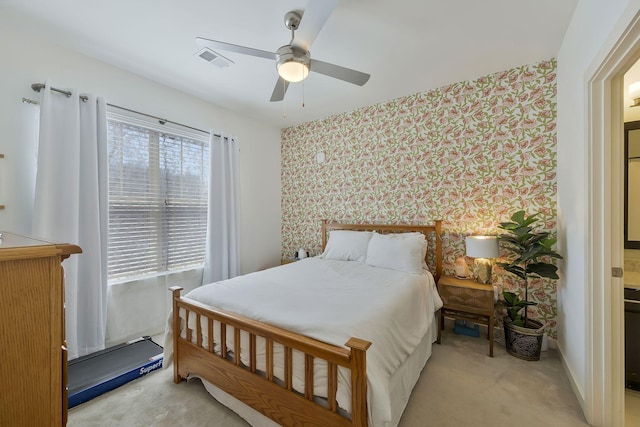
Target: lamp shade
{"points": [[482, 246]]}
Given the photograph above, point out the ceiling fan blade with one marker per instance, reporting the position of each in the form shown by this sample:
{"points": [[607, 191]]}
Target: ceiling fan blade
{"points": [[281, 88], [338, 72], [313, 19], [228, 47]]}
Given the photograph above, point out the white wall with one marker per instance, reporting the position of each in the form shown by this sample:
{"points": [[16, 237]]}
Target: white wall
{"points": [[26, 59], [591, 26], [142, 307]]}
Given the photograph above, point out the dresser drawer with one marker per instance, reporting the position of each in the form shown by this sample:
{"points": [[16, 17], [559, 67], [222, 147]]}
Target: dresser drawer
{"points": [[466, 297]]}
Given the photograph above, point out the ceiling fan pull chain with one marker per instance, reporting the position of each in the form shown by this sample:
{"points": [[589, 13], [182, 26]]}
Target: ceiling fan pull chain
{"points": [[303, 94]]}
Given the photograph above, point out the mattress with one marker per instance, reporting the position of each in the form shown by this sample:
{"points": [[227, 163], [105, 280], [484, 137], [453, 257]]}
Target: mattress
{"points": [[332, 301]]}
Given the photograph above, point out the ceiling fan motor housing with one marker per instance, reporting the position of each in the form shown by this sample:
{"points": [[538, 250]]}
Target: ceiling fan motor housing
{"points": [[292, 20], [293, 64]]}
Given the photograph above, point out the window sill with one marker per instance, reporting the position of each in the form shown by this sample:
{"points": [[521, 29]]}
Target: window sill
{"points": [[131, 279]]}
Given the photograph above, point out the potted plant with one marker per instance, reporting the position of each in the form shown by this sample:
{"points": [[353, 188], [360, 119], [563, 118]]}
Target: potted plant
{"points": [[530, 250]]}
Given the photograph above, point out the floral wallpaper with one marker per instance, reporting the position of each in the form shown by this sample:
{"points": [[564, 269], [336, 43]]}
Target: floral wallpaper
{"points": [[471, 153]]}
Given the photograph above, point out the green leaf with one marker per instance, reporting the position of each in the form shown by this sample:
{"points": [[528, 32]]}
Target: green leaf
{"points": [[517, 270], [513, 313], [509, 297], [518, 321], [539, 238], [548, 242], [531, 219], [531, 252], [518, 217], [514, 305], [509, 226], [543, 269], [522, 232]]}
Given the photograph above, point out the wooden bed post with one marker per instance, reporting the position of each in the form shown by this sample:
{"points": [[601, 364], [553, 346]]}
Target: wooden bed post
{"points": [[175, 296], [438, 225], [324, 234], [358, 381]]}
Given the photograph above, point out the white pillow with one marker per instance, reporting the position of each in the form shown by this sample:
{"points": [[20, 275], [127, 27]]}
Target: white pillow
{"points": [[421, 237], [347, 245], [401, 251]]}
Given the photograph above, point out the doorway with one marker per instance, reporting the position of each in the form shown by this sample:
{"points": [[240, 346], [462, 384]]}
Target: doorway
{"points": [[630, 207], [605, 397]]}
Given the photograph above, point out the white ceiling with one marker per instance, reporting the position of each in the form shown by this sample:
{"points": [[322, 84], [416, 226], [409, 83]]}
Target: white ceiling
{"points": [[407, 46]]}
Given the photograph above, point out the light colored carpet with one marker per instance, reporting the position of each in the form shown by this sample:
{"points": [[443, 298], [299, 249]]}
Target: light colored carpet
{"points": [[460, 386]]}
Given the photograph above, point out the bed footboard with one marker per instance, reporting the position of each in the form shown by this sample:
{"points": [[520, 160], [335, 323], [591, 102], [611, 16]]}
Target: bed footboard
{"points": [[196, 354]]}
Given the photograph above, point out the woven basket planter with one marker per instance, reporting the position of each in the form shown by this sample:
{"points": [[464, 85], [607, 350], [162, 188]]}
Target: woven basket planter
{"points": [[523, 343]]}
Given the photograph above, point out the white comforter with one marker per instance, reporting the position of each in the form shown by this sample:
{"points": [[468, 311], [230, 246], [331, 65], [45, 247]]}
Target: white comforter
{"points": [[333, 301]]}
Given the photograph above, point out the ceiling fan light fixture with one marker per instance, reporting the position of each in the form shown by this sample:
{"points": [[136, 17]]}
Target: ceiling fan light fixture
{"points": [[293, 64], [293, 71]]}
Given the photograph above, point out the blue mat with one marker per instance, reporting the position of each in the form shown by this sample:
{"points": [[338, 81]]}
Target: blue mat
{"points": [[461, 328]]}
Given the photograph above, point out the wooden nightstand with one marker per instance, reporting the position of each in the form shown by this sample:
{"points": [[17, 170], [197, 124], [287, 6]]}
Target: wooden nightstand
{"points": [[284, 261], [467, 300]]}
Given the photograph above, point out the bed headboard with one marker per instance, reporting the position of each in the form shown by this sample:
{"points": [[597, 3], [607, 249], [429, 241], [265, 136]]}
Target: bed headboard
{"points": [[436, 228]]}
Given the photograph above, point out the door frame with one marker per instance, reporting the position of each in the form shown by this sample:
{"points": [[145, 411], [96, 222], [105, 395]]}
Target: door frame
{"points": [[604, 400]]}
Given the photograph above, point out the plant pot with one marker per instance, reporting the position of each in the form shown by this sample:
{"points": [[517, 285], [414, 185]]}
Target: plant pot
{"points": [[523, 343]]}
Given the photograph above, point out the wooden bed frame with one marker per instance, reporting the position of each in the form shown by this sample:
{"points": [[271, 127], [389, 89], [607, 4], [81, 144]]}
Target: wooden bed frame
{"points": [[259, 390]]}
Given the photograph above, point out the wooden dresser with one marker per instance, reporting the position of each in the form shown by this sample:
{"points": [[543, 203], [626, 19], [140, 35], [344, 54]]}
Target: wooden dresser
{"points": [[33, 360]]}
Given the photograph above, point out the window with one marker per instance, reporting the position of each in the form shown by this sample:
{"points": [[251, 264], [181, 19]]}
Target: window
{"points": [[158, 184]]}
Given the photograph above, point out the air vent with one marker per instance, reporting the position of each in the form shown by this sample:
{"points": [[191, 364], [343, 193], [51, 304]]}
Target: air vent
{"points": [[214, 58]]}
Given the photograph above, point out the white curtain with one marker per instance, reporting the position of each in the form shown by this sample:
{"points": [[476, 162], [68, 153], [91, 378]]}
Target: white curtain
{"points": [[222, 254], [70, 206]]}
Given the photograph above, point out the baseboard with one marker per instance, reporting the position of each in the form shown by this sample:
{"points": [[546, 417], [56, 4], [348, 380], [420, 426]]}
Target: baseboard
{"points": [[119, 340], [551, 343], [498, 335], [574, 386]]}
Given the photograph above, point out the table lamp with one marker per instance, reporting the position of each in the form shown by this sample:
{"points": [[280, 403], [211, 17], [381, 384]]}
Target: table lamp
{"points": [[482, 248]]}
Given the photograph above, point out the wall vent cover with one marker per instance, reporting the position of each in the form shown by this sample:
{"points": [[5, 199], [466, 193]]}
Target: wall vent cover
{"points": [[214, 58]]}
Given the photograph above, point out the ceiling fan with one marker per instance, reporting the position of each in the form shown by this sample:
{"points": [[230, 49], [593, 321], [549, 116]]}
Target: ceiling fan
{"points": [[293, 61]]}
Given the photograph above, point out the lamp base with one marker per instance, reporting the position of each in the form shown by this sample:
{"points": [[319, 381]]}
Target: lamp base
{"points": [[482, 270]]}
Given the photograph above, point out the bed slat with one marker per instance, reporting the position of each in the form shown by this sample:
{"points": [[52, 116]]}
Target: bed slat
{"points": [[308, 376], [198, 330], [212, 343], [237, 350], [223, 340], [288, 368], [332, 387], [269, 358], [187, 316], [252, 353]]}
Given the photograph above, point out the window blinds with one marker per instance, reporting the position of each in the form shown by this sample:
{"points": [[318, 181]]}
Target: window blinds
{"points": [[157, 200]]}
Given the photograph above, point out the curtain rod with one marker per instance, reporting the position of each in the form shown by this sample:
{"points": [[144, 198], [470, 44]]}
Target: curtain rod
{"points": [[39, 86]]}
